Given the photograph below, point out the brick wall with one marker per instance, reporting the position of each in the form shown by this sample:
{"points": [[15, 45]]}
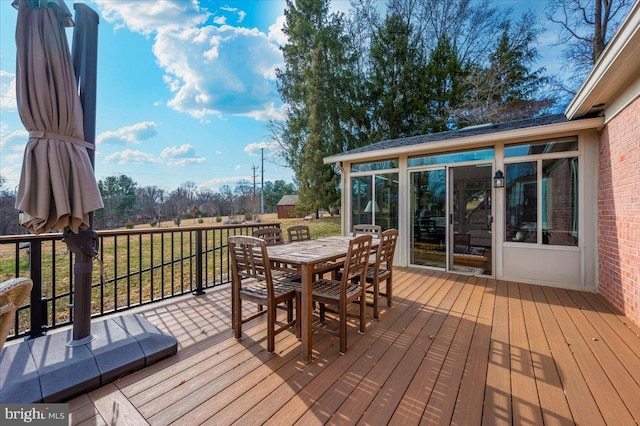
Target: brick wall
{"points": [[619, 212]]}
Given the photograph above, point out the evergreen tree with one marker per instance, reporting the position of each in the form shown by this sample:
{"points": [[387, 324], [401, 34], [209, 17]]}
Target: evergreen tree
{"points": [[119, 197], [316, 83], [443, 87], [396, 68]]}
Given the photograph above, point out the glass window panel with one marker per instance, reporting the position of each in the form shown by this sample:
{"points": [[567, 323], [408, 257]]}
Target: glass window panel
{"points": [[386, 200], [541, 147], [451, 157], [560, 202], [521, 184], [361, 189], [375, 165], [428, 210]]}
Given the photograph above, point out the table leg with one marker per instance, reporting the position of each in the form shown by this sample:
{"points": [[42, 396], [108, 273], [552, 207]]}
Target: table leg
{"points": [[306, 312]]}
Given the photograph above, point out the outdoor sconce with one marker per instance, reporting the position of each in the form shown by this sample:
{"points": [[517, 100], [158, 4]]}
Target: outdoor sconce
{"points": [[498, 180]]}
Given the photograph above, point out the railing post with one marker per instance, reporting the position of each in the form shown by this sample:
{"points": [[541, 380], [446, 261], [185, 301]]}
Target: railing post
{"points": [[35, 271], [199, 264]]}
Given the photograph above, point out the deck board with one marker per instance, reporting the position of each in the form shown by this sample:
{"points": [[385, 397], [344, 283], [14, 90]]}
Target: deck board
{"points": [[453, 349]]}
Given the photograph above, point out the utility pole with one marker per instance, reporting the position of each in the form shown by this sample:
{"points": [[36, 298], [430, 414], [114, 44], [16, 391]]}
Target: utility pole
{"points": [[262, 184], [253, 200]]}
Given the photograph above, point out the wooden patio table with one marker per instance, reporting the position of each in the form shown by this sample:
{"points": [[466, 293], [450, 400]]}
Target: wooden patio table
{"points": [[305, 255]]}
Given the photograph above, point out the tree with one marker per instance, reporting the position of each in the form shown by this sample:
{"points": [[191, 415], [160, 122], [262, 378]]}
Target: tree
{"points": [[273, 192], [8, 214], [316, 84], [245, 201], [586, 28], [443, 88], [507, 89], [227, 205], [396, 69], [151, 202], [119, 197]]}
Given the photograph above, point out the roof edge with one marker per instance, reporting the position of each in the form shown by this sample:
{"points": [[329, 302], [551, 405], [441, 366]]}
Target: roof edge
{"points": [[568, 126], [624, 46]]}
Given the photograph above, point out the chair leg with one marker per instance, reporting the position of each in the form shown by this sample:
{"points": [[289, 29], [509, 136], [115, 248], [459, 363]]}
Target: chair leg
{"points": [[363, 311], [236, 315], [343, 326], [298, 322], [389, 292], [289, 310], [322, 312], [271, 324], [376, 297]]}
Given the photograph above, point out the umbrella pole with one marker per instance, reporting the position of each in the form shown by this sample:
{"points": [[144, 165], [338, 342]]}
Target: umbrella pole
{"points": [[84, 245]]}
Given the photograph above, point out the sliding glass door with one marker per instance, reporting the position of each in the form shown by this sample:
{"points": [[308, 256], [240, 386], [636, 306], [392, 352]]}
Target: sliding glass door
{"points": [[428, 213], [471, 220], [451, 218]]}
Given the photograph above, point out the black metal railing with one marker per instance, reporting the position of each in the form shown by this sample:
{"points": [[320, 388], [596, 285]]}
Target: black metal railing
{"points": [[134, 267]]}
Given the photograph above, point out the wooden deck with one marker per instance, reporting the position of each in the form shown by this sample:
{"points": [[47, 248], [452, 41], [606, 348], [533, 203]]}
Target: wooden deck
{"points": [[452, 350]]}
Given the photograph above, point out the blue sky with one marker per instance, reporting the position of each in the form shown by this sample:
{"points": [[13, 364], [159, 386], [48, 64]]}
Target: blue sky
{"points": [[185, 89]]}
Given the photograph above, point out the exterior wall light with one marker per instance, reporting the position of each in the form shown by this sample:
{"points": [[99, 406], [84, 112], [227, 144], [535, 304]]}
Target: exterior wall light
{"points": [[498, 179]]}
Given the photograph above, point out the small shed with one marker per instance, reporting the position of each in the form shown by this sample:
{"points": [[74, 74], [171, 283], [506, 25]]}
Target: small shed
{"points": [[287, 206]]}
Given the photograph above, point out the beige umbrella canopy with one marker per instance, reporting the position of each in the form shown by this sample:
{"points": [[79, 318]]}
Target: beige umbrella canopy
{"points": [[57, 186]]}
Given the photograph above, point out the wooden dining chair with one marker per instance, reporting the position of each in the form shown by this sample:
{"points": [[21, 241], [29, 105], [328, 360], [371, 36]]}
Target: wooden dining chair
{"points": [[341, 293], [271, 236], [298, 233], [13, 294], [375, 230], [253, 281], [382, 270]]}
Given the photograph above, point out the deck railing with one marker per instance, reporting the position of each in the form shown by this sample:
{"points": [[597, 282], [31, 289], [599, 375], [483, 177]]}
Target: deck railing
{"points": [[133, 268]]}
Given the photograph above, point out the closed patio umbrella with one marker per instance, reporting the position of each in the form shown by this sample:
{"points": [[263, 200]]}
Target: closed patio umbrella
{"points": [[57, 188]]}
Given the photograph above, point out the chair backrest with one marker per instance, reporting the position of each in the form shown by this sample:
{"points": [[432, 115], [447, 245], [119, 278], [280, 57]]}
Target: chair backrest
{"points": [[271, 236], [357, 260], [13, 293], [387, 248], [249, 259], [375, 230], [299, 233]]}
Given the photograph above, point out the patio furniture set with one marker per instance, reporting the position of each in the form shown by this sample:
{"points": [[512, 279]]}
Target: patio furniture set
{"points": [[272, 274]]}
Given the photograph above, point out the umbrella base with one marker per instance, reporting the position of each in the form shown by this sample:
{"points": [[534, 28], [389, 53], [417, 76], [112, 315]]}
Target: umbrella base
{"points": [[79, 342], [46, 369]]}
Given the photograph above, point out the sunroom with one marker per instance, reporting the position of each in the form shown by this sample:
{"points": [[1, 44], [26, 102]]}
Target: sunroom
{"points": [[513, 201]]}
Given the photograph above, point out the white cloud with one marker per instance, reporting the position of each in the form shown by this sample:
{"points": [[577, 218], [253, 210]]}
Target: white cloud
{"points": [[241, 14], [211, 69], [238, 167], [7, 92], [271, 148], [14, 137], [225, 180], [129, 156], [181, 156], [12, 144], [275, 31], [133, 134]]}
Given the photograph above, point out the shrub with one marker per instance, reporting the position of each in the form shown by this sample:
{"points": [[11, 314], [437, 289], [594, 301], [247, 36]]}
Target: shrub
{"points": [[153, 223], [218, 218], [129, 224]]}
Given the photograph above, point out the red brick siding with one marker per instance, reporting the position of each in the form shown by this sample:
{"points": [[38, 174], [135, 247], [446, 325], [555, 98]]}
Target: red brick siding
{"points": [[619, 212]]}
